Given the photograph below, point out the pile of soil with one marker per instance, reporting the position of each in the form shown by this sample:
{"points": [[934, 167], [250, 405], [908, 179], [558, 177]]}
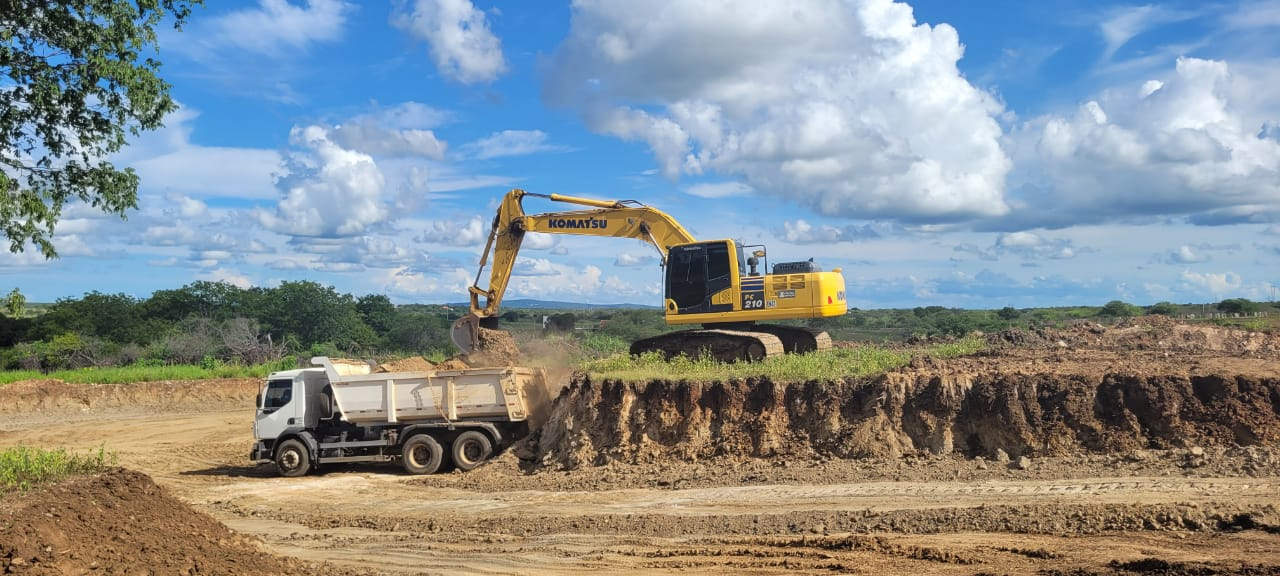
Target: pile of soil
{"points": [[411, 364], [120, 522], [991, 414], [28, 396], [1155, 332]]}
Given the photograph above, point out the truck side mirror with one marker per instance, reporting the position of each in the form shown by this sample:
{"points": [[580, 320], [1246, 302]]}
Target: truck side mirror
{"points": [[257, 401]]}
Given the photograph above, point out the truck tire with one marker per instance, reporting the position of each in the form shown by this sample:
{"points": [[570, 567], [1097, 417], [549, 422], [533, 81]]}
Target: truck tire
{"points": [[292, 459], [421, 454], [470, 449]]}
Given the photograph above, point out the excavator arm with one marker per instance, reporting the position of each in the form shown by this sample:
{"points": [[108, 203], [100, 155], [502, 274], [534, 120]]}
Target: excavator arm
{"points": [[611, 218]]}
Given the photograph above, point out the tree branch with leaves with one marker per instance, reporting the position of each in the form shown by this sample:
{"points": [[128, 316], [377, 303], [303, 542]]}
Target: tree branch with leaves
{"points": [[77, 78]]}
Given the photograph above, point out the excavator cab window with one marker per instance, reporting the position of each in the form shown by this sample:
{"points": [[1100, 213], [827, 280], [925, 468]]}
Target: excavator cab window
{"points": [[687, 276], [695, 272]]}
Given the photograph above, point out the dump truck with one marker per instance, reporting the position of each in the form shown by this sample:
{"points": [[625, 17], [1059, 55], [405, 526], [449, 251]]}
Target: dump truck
{"points": [[348, 412]]}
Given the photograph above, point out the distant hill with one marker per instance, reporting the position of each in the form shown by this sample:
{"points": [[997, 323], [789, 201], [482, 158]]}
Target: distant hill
{"points": [[532, 304]]}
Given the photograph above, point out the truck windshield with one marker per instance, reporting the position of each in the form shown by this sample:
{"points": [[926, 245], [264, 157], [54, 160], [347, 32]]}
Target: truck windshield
{"points": [[279, 392]]}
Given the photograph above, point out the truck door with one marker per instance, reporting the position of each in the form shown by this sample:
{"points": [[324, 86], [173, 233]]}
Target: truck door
{"points": [[280, 408]]}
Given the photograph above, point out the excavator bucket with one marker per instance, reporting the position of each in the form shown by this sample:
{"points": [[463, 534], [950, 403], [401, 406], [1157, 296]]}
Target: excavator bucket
{"points": [[465, 333]]}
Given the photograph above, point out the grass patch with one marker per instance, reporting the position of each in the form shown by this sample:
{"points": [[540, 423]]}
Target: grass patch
{"points": [[23, 467], [148, 373], [830, 365]]}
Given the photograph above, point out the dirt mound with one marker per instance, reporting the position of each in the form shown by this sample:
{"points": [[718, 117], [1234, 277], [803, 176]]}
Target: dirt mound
{"points": [[411, 364], [121, 522], [1159, 333], [994, 415], [55, 395]]}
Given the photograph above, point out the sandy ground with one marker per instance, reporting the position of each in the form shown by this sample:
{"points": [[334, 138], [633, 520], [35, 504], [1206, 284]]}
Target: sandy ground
{"points": [[1176, 508]]}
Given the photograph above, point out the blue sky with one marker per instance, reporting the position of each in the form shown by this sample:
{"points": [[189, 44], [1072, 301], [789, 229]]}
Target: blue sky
{"points": [[967, 154]]}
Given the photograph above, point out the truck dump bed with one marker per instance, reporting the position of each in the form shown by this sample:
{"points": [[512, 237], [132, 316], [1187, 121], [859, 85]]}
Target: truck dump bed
{"points": [[510, 394]]}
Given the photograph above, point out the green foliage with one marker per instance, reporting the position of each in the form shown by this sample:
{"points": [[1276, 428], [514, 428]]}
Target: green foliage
{"points": [[1237, 306], [313, 314], [15, 304], [829, 365], [23, 467], [77, 81], [377, 311], [597, 345], [1119, 309], [114, 317], [1163, 308], [1009, 313], [631, 325]]}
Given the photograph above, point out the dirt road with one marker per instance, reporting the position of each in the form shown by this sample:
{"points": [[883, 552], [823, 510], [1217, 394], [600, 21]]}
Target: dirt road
{"points": [[377, 517], [1096, 462]]}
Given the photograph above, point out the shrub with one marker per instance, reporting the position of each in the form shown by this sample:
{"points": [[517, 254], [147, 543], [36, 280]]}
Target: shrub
{"points": [[22, 467]]}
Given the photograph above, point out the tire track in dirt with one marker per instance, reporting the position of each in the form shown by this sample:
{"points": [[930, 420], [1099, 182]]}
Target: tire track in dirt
{"points": [[392, 496]]}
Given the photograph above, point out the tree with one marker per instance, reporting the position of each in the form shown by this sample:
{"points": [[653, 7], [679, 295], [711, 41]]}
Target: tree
{"points": [[1009, 313], [377, 311], [78, 79], [1238, 306], [1119, 309], [1163, 308], [15, 304], [313, 314]]}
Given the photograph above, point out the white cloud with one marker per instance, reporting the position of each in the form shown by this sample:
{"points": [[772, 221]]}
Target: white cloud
{"points": [[1125, 23], [188, 207], [525, 266], [229, 276], [461, 44], [512, 143], [719, 189], [471, 232], [330, 192], [626, 259], [397, 131], [802, 232], [539, 241], [1030, 245], [272, 28], [1253, 15], [1216, 284], [850, 108], [1185, 255], [1190, 147], [367, 137]]}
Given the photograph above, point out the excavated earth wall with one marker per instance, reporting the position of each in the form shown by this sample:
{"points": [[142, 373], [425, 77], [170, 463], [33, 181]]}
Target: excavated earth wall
{"points": [[1044, 414]]}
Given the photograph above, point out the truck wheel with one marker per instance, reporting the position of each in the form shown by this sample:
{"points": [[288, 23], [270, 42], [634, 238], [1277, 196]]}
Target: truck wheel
{"points": [[422, 455], [292, 459], [470, 449]]}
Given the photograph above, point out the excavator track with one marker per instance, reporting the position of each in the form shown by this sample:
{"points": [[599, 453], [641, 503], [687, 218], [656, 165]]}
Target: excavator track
{"points": [[796, 339], [721, 345]]}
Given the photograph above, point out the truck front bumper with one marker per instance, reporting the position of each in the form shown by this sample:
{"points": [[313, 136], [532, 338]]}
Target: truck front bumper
{"points": [[261, 452]]}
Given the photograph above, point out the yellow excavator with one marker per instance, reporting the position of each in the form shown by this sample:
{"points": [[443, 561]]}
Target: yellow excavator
{"points": [[715, 283]]}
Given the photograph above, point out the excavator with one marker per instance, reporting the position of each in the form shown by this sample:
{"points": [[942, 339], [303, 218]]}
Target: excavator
{"points": [[714, 283]]}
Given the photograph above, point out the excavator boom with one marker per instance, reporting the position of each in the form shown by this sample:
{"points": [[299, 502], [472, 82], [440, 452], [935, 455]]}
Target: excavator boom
{"points": [[611, 218]]}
